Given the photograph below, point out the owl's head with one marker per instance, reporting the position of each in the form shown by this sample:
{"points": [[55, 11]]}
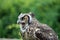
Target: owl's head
{"points": [[25, 18]]}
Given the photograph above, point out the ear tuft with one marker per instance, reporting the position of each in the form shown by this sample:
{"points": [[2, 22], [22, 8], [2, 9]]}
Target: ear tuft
{"points": [[32, 14]]}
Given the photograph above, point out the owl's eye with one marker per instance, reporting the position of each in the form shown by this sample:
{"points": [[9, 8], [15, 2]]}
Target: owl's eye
{"points": [[22, 18]]}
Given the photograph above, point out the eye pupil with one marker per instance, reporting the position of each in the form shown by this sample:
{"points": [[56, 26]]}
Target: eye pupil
{"points": [[22, 18]]}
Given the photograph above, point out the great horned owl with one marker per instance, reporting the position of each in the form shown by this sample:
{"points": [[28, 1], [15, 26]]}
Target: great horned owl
{"points": [[32, 29]]}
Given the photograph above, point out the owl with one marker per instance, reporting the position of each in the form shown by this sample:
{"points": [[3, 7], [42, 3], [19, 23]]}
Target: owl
{"points": [[32, 29]]}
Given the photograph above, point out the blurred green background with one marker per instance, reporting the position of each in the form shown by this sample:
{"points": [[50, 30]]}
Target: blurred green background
{"points": [[46, 11]]}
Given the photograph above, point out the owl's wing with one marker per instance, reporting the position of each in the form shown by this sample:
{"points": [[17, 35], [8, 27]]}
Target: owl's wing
{"points": [[45, 33]]}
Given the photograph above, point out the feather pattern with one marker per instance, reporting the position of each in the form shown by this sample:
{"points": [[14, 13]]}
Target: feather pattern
{"points": [[38, 31]]}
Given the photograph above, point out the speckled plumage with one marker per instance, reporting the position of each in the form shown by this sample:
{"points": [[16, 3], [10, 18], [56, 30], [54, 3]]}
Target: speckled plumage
{"points": [[39, 31]]}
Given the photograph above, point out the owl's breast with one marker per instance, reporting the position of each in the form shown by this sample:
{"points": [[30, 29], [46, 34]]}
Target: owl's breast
{"points": [[29, 34]]}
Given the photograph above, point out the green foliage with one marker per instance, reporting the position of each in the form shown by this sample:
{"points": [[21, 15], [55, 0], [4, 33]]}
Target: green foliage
{"points": [[46, 11], [13, 30]]}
